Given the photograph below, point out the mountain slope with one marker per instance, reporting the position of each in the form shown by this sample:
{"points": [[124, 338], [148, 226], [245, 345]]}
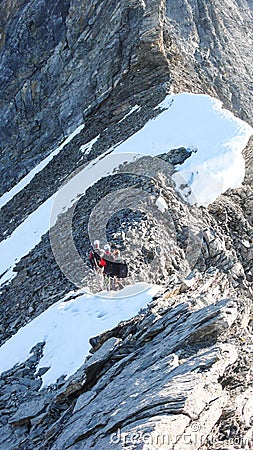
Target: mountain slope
{"points": [[86, 90], [60, 61]]}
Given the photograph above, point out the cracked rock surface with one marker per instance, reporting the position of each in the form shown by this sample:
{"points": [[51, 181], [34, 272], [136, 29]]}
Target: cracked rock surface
{"points": [[177, 376], [163, 374]]}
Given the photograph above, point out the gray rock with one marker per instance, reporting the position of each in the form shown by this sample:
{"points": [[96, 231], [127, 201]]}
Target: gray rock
{"points": [[103, 353], [27, 411], [6, 437]]}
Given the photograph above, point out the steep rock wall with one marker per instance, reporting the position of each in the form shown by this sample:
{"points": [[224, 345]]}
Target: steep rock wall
{"points": [[63, 62], [60, 60], [214, 41]]}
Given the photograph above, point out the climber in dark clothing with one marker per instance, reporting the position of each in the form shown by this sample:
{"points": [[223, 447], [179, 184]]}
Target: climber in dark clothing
{"points": [[96, 255], [107, 263], [116, 269], [109, 267]]}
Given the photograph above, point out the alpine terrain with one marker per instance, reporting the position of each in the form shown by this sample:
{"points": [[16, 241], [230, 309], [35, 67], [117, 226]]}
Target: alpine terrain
{"points": [[126, 122]]}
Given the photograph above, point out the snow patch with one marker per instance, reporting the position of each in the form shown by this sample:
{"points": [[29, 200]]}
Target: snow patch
{"points": [[217, 136], [161, 204], [7, 196], [86, 148], [135, 108], [246, 243], [67, 326]]}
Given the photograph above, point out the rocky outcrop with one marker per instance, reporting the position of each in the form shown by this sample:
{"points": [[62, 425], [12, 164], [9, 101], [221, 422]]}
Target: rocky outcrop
{"points": [[180, 373], [59, 61], [213, 41], [162, 377]]}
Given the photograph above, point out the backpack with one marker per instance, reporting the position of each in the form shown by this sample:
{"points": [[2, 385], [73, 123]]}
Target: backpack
{"points": [[119, 269], [109, 267], [123, 270]]}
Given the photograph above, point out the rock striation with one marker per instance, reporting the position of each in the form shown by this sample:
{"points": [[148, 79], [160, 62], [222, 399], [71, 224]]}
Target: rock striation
{"points": [[61, 60], [162, 376], [178, 375]]}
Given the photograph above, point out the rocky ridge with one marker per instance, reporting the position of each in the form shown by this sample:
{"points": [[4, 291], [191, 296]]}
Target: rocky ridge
{"points": [[50, 65], [198, 330], [192, 238], [190, 362], [181, 371]]}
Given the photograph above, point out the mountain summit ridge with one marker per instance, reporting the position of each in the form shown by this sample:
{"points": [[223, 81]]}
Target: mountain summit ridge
{"points": [[81, 81], [51, 68]]}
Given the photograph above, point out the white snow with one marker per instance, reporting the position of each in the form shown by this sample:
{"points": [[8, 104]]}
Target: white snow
{"points": [[161, 204], [23, 239], [198, 122], [7, 196], [86, 148], [135, 108], [67, 326], [246, 243]]}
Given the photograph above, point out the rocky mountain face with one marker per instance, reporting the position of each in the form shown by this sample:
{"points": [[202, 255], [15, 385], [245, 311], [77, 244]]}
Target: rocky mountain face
{"points": [[178, 375], [180, 370], [73, 61]]}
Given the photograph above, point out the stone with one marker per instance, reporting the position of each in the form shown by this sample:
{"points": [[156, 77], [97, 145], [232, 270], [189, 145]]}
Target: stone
{"points": [[103, 353], [176, 155], [83, 400], [27, 411], [173, 400], [21, 430], [42, 370], [38, 419], [6, 437], [244, 403]]}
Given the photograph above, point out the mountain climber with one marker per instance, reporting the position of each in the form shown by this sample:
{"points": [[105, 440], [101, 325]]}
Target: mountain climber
{"points": [[107, 263], [121, 269], [95, 257], [108, 266], [116, 269]]}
